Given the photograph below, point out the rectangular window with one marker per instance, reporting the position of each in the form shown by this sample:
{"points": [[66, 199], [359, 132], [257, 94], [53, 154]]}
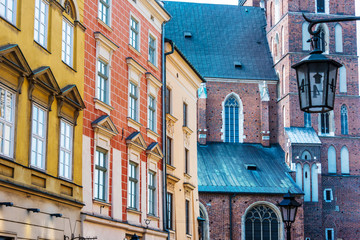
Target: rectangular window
{"points": [[6, 122], [169, 197], [151, 193], [186, 161], [66, 145], [187, 216], [104, 11], [168, 150], [325, 122], [320, 6], [329, 233], [100, 175], [38, 137], [185, 114], [67, 42], [41, 21], [134, 33], [102, 84], [152, 114], [168, 101], [8, 10], [328, 195], [133, 101], [152, 50], [132, 185]]}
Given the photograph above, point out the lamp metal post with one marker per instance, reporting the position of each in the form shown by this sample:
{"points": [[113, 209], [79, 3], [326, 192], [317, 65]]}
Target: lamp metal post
{"points": [[316, 74], [288, 208]]}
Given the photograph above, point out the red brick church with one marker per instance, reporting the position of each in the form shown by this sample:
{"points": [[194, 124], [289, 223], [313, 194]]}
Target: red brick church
{"points": [[254, 142]]}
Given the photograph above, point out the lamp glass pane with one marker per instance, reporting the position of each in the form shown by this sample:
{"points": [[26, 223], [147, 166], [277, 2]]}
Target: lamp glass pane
{"points": [[318, 75], [331, 85], [303, 84], [292, 211]]}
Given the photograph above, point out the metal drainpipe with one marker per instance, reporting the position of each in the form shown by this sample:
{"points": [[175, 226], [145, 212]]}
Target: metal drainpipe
{"points": [[163, 68]]}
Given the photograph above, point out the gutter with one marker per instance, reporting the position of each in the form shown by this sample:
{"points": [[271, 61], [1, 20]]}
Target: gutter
{"points": [[163, 68]]}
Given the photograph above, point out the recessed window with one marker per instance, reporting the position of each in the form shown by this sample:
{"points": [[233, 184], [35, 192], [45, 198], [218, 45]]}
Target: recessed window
{"points": [[38, 137], [344, 120], [320, 7], [187, 167], [66, 144], [133, 101], [102, 91], [41, 22], [187, 216], [132, 186], [134, 33], [232, 119], [151, 193], [307, 119], [169, 197], [168, 150], [100, 175], [329, 234], [67, 42], [261, 222], [325, 123], [6, 122], [152, 50], [185, 115], [168, 101], [152, 114], [8, 10], [104, 11], [338, 38], [328, 195], [306, 155]]}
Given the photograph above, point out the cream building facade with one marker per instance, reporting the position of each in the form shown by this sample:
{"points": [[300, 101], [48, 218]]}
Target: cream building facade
{"points": [[182, 83]]}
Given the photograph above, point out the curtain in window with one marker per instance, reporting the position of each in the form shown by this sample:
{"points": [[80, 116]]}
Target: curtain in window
{"points": [[232, 120]]}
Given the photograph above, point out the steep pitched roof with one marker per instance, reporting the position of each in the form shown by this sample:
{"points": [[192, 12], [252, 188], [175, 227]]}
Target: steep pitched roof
{"points": [[220, 36], [302, 135], [229, 167]]}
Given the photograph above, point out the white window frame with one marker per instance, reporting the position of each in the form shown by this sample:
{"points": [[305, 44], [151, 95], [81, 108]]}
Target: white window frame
{"points": [[38, 37], [8, 121], [65, 24], [34, 136], [331, 125], [332, 233], [152, 113], [331, 195], [134, 109], [137, 39], [101, 168], [152, 193], [7, 8], [133, 192], [105, 4], [69, 150], [326, 7], [106, 78], [154, 61]]}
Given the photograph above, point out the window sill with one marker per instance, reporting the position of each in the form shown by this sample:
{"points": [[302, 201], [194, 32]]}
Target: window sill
{"points": [[38, 169], [187, 176], [326, 134], [100, 105], [101, 22], [42, 47], [153, 217], [134, 124], [170, 167], [153, 135], [101, 202], [153, 66], [132, 210], [68, 66], [134, 50], [10, 23], [187, 130], [171, 118]]}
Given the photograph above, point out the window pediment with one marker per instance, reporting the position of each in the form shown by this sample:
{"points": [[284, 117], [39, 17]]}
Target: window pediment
{"points": [[71, 98], [154, 151], [153, 80], [12, 56], [136, 141], [105, 126], [134, 65]]}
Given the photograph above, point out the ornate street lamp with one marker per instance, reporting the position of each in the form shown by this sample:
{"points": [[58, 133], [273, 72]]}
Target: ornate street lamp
{"points": [[135, 237], [288, 207], [316, 74]]}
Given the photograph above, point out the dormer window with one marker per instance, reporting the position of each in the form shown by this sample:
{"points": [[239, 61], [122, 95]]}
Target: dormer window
{"points": [[187, 34]]}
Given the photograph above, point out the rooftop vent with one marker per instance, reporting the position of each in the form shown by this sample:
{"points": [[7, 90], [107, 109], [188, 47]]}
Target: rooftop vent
{"points": [[237, 64], [187, 34], [251, 167]]}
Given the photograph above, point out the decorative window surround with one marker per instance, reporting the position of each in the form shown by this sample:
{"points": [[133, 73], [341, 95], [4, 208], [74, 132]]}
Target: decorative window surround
{"points": [[153, 87], [328, 195], [151, 134], [136, 142], [170, 122], [71, 98], [41, 22], [105, 130], [103, 106]]}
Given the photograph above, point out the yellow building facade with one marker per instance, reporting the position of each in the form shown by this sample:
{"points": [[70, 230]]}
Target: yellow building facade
{"points": [[41, 89], [182, 82]]}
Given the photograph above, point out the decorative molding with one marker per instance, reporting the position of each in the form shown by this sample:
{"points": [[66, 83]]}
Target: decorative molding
{"points": [[100, 105], [134, 124], [136, 142]]}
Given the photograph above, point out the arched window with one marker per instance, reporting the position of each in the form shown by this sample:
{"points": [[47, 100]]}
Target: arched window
{"points": [[278, 88], [344, 154], [277, 11], [272, 48], [299, 175], [70, 9], [307, 183], [331, 160], [338, 38], [67, 51], [305, 37], [233, 119], [271, 14], [284, 116], [314, 183], [261, 222], [342, 79], [307, 119], [306, 155], [282, 41], [262, 4], [204, 223], [277, 47], [283, 79], [344, 120]]}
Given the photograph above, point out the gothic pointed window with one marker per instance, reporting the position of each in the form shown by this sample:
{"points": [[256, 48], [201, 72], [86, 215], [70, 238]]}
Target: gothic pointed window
{"points": [[261, 222], [232, 119], [344, 120], [325, 122]]}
